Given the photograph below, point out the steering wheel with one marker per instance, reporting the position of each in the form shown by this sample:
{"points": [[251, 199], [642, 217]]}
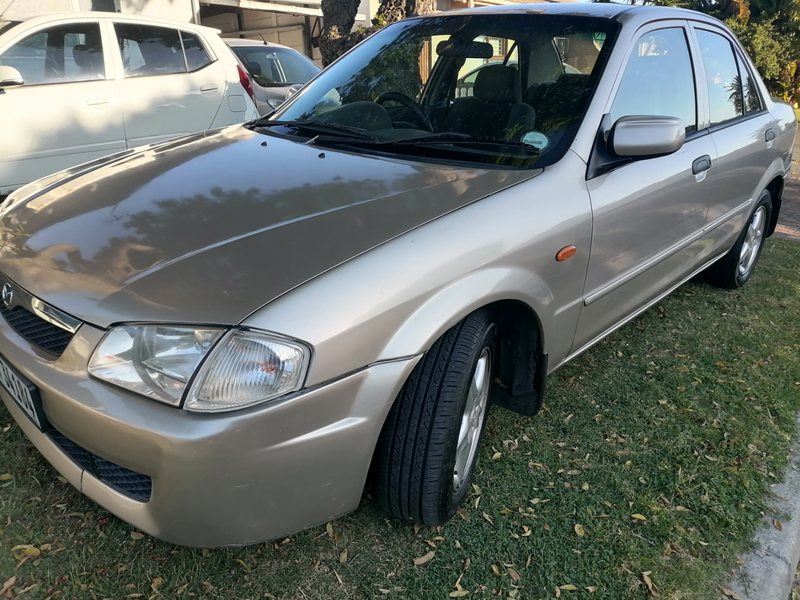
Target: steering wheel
{"points": [[409, 103]]}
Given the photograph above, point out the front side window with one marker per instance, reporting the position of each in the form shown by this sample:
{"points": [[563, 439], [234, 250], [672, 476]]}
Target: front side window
{"points": [[270, 66], [658, 79], [722, 77], [62, 54], [148, 50], [498, 89]]}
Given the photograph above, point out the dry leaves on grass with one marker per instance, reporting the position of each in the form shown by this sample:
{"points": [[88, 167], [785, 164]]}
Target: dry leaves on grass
{"points": [[421, 560], [580, 531], [731, 594], [649, 583]]}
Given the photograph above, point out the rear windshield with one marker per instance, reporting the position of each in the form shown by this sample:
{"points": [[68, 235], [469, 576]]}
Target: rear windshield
{"points": [[446, 86], [274, 67]]}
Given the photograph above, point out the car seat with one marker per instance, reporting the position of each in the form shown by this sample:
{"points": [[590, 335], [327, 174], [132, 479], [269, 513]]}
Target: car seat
{"points": [[495, 109], [89, 60]]}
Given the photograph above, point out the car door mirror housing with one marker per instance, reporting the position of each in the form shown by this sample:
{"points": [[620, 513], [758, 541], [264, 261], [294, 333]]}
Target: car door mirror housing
{"points": [[10, 78], [643, 136]]}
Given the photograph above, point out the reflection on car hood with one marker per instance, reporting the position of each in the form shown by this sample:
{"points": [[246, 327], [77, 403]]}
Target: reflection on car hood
{"points": [[209, 228]]}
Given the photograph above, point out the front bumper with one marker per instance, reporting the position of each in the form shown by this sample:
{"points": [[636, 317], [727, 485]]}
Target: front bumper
{"points": [[219, 479]]}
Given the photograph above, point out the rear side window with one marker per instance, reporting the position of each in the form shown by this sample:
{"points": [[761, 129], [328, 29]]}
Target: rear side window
{"points": [[752, 101], [196, 55], [148, 50], [658, 79], [61, 54], [722, 77], [275, 67]]}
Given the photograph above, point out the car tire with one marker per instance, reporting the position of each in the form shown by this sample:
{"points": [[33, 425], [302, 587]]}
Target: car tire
{"points": [[430, 442], [735, 268]]}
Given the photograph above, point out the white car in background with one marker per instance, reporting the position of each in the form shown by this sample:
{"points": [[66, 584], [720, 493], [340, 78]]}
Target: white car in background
{"points": [[276, 71], [78, 86]]}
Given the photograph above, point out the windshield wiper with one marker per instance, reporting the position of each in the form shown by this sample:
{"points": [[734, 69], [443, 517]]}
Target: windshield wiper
{"points": [[461, 138], [313, 125]]}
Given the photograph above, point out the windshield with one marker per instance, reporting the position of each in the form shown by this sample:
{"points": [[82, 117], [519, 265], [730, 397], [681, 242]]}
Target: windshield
{"points": [[275, 67], [499, 89]]}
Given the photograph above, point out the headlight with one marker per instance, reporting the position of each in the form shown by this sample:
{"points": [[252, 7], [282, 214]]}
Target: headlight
{"points": [[248, 368], [153, 360], [158, 361]]}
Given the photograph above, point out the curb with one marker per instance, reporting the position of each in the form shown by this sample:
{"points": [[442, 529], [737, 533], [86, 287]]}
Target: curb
{"points": [[768, 570]]}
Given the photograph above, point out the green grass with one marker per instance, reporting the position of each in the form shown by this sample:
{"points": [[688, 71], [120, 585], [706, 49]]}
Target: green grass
{"points": [[685, 417]]}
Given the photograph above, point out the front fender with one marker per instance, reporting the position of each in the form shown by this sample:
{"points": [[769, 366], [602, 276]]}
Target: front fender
{"points": [[396, 299]]}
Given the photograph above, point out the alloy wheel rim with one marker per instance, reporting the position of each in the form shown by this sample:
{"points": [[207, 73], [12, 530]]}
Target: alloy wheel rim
{"points": [[752, 242], [472, 418]]}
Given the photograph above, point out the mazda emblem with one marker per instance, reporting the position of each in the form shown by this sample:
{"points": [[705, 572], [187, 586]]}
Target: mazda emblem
{"points": [[8, 294]]}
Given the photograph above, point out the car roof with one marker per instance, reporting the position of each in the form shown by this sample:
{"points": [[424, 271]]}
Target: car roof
{"points": [[608, 10], [119, 17], [236, 42]]}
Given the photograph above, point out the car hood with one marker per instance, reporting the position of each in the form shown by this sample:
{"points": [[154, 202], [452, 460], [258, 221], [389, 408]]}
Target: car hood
{"points": [[208, 228]]}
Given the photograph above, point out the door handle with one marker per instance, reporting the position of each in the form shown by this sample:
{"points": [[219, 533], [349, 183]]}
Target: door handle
{"points": [[209, 87], [770, 135], [701, 164], [97, 100]]}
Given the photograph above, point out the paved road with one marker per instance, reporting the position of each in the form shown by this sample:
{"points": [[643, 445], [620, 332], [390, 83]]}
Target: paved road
{"points": [[789, 221]]}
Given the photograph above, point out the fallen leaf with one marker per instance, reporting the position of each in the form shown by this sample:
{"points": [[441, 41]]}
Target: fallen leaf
{"points": [[682, 509], [514, 575], [580, 531], [496, 455], [8, 585], [137, 535], [343, 557], [206, 552], [6, 476], [329, 530], [573, 472], [424, 558], [568, 587], [638, 517], [731, 594], [649, 583], [592, 588], [778, 525], [158, 581], [488, 518], [458, 593], [585, 487]]}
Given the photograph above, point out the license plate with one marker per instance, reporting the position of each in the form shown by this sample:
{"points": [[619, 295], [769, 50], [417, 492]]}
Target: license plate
{"points": [[23, 392]]}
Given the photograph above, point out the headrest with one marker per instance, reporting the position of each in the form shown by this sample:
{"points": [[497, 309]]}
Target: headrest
{"points": [[80, 52], [458, 47], [498, 83]]}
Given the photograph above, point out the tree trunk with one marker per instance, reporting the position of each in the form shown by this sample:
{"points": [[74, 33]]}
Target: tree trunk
{"points": [[339, 17]]}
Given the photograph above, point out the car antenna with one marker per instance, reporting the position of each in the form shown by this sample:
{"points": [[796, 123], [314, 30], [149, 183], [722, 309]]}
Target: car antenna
{"points": [[12, 3], [266, 43]]}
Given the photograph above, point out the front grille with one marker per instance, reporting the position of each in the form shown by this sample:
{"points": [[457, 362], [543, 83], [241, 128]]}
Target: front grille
{"points": [[129, 483], [36, 330]]}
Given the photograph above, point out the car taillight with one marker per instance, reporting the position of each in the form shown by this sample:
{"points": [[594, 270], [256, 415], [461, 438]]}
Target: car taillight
{"points": [[244, 79]]}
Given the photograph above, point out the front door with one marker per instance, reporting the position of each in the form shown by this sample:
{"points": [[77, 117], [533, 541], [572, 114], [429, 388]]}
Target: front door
{"points": [[649, 215], [68, 110]]}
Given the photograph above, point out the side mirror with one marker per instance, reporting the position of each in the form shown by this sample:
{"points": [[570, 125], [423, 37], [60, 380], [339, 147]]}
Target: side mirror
{"points": [[10, 78], [646, 136]]}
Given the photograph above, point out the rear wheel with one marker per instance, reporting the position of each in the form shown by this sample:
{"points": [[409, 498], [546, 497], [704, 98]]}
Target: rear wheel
{"points": [[735, 268], [429, 444]]}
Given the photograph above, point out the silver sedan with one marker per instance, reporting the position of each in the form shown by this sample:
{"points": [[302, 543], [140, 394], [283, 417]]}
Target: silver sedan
{"points": [[215, 337]]}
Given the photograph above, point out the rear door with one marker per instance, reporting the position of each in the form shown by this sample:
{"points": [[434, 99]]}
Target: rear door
{"points": [[649, 215], [171, 85], [741, 127], [68, 110]]}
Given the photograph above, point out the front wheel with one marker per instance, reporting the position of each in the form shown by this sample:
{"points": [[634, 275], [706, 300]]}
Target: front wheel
{"points": [[429, 445], [735, 268]]}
